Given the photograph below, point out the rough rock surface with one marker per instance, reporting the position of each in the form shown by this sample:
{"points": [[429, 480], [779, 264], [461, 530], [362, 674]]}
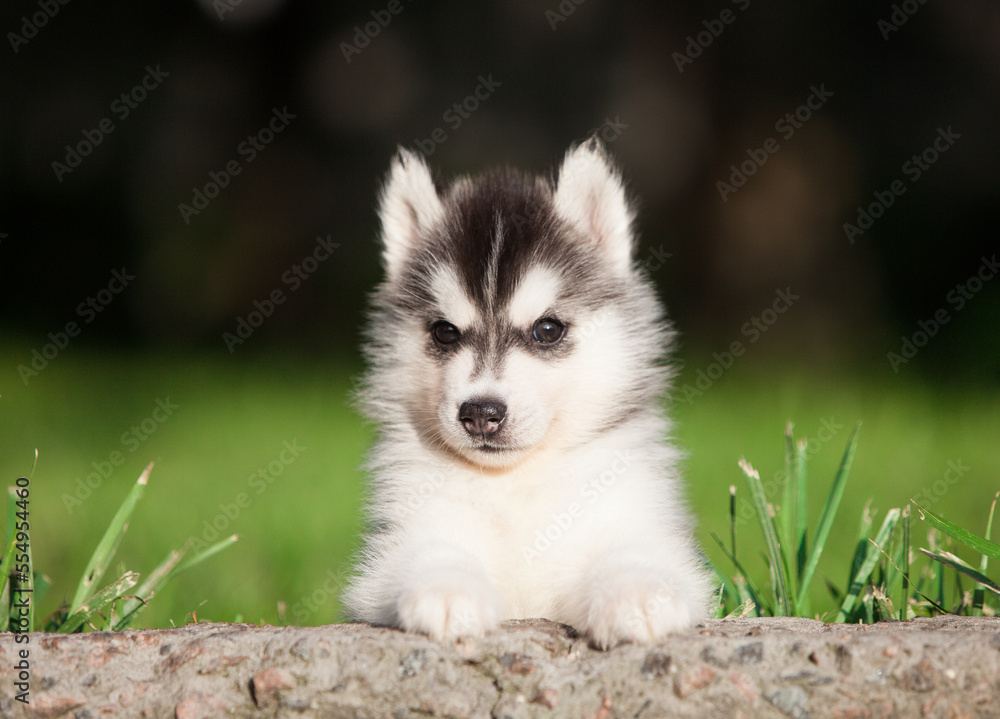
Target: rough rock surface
{"points": [[946, 667]]}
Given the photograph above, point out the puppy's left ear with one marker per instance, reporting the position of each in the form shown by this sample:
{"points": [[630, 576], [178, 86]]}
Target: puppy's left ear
{"points": [[409, 209], [590, 196]]}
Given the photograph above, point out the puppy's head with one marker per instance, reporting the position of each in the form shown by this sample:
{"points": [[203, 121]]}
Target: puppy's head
{"points": [[511, 317]]}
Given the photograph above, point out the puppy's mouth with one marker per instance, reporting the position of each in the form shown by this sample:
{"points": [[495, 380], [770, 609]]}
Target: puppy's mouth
{"points": [[496, 448]]}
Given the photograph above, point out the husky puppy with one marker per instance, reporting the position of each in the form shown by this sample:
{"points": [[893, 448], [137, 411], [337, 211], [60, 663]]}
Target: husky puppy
{"points": [[515, 374]]}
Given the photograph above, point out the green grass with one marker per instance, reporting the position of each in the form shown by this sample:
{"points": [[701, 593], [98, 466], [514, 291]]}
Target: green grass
{"points": [[299, 522], [881, 569]]}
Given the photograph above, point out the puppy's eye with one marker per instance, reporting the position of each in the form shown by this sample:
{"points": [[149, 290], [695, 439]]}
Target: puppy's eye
{"points": [[445, 332], [548, 331]]}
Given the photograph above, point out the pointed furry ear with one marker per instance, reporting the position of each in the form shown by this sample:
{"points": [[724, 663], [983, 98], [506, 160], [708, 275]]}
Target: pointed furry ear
{"points": [[409, 208], [591, 197]]}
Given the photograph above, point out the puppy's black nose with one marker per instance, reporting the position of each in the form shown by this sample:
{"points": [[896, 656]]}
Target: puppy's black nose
{"points": [[482, 417]]}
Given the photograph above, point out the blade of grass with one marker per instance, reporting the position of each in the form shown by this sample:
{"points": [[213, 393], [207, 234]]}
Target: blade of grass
{"points": [[904, 601], [204, 554], [777, 562], [939, 576], [8, 561], [800, 513], [152, 584], [829, 512], [788, 520], [42, 585], [788, 516], [983, 546], [861, 543], [732, 517], [746, 598], [916, 589], [950, 560], [747, 588], [868, 565], [744, 610], [883, 604], [979, 596], [99, 601], [175, 563], [108, 545]]}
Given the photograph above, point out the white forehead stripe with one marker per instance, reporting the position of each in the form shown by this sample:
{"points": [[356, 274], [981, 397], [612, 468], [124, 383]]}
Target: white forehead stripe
{"points": [[535, 294], [454, 303]]}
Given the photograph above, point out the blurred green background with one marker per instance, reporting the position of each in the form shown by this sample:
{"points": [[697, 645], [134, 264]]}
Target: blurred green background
{"points": [[685, 95]]}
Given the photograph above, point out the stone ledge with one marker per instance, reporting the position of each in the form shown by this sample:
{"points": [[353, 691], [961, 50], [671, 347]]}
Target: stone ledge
{"points": [[946, 667]]}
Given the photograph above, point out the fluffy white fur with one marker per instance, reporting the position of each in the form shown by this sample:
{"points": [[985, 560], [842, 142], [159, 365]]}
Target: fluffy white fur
{"points": [[578, 523]]}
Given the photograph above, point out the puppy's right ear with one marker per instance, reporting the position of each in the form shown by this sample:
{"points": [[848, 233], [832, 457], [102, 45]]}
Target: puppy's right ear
{"points": [[408, 209]]}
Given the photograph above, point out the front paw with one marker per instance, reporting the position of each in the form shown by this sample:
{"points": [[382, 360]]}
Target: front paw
{"points": [[450, 603], [632, 605]]}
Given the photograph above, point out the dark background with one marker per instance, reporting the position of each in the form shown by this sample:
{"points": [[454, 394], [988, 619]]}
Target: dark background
{"points": [[561, 76]]}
